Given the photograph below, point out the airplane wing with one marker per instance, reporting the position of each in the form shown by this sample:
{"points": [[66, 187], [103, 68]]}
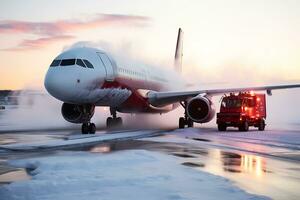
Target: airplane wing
{"points": [[165, 98]]}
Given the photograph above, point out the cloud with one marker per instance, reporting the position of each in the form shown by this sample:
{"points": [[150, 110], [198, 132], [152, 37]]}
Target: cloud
{"points": [[50, 32], [63, 26], [40, 28], [38, 43]]}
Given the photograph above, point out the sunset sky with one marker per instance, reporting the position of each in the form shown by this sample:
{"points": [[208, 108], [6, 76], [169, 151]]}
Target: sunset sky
{"points": [[229, 41]]}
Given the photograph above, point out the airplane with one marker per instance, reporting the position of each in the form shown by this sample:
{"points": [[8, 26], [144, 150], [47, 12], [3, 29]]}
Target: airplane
{"points": [[84, 77]]}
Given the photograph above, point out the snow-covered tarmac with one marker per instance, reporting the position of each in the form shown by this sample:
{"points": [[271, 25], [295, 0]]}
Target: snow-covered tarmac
{"points": [[198, 163], [135, 174]]}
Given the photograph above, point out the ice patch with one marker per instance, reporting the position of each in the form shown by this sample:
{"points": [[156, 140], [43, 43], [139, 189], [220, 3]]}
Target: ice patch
{"points": [[135, 174]]}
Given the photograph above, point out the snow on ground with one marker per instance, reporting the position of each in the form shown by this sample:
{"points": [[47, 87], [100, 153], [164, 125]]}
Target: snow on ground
{"points": [[291, 137], [79, 140], [279, 136], [272, 138], [135, 174]]}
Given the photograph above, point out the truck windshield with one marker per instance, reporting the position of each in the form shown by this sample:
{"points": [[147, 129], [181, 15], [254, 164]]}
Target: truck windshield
{"points": [[231, 103]]}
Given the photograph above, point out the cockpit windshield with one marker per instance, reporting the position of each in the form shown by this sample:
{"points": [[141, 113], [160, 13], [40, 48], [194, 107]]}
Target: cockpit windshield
{"points": [[67, 62], [88, 64], [80, 63], [232, 103], [55, 63]]}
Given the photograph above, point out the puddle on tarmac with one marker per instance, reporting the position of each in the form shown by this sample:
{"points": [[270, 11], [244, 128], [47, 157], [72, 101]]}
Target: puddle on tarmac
{"points": [[9, 174], [255, 174], [201, 139], [183, 155], [193, 164]]}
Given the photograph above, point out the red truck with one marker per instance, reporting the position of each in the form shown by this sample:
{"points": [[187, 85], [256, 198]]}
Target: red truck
{"points": [[242, 110]]}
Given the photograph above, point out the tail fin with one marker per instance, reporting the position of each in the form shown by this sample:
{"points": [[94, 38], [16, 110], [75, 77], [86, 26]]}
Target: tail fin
{"points": [[178, 52]]}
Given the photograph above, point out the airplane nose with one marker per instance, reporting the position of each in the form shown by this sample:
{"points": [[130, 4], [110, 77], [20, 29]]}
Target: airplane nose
{"points": [[61, 85]]}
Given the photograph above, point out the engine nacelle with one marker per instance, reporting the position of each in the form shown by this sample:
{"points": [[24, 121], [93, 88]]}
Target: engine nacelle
{"points": [[200, 109], [77, 113]]}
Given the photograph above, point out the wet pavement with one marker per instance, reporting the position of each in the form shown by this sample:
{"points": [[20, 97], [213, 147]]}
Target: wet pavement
{"points": [[264, 168], [255, 174]]}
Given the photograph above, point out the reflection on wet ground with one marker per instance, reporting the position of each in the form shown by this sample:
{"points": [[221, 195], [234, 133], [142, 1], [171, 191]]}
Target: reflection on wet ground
{"points": [[216, 160], [253, 173], [9, 173], [275, 178], [12, 176]]}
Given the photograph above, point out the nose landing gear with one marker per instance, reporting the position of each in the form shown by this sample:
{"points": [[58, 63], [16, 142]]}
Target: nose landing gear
{"points": [[88, 128], [114, 121]]}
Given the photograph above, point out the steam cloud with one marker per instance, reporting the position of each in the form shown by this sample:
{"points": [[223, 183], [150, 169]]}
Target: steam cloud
{"points": [[40, 111]]}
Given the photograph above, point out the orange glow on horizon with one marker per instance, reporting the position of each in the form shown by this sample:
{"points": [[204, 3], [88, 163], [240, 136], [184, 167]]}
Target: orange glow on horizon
{"points": [[233, 44]]}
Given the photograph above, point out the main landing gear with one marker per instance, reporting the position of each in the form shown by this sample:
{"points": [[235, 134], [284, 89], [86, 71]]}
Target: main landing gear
{"points": [[185, 121], [114, 121]]}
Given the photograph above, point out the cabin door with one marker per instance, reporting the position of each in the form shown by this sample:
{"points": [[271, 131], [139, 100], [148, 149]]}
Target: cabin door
{"points": [[107, 65]]}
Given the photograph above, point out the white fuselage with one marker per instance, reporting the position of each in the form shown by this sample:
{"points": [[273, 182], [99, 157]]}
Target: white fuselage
{"points": [[107, 81]]}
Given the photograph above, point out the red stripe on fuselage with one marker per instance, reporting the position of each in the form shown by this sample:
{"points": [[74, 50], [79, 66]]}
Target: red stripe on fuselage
{"points": [[136, 103]]}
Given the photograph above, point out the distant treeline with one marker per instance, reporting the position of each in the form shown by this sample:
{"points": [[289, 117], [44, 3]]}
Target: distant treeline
{"points": [[9, 97], [5, 93]]}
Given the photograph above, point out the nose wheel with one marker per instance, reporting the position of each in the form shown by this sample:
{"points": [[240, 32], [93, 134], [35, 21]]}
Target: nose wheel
{"points": [[87, 128], [114, 121]]}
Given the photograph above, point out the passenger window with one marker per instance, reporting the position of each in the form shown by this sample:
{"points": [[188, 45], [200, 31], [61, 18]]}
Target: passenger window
{"points": [[55, 63], [88, 64], [80, 63], [67, 62]]}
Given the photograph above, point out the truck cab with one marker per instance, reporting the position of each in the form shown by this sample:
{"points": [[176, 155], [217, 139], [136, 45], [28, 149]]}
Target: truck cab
{"points": [[242, 110]]}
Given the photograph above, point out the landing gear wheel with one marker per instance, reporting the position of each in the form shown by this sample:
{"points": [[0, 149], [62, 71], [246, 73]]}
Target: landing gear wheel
{"points": [[85, 128], [181, 122], [244, 126], [261, 125], [190, 123], [114, 122], [92, 128], [222, 127], [119, 121], [109, 122], [185, 121]]}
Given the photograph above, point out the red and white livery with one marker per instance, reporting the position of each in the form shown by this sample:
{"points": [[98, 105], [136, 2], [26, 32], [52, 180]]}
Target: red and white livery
{"points": [[84, 77]]}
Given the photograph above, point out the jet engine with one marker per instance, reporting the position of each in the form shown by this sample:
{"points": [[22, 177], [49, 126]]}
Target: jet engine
{"points": [[200, 109], [77, 113]]}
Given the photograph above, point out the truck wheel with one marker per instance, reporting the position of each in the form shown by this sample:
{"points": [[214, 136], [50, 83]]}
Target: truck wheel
{"points": [[244, 126], [261, 125], [222, 127]]}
